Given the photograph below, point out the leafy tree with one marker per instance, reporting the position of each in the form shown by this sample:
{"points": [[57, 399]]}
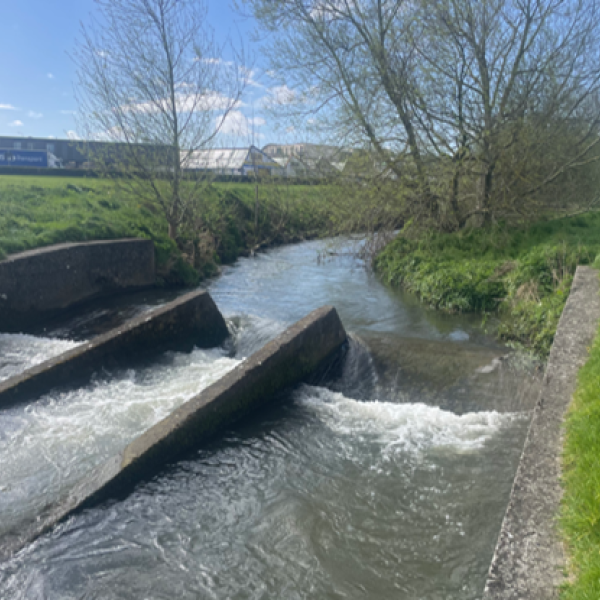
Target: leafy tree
{"points": [[152, 80], [510, 90], [481, 109]]}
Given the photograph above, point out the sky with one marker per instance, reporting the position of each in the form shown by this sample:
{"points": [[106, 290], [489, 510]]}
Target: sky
{"points": [[38, 75]]}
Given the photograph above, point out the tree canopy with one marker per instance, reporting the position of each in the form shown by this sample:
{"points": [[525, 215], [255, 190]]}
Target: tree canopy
{"points": [[483, 109], [152, 78]]}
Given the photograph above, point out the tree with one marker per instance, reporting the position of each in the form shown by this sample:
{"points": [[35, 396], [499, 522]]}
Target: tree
{"points": [[353, 64], [481, 108], [152, 80], [511, 92]]}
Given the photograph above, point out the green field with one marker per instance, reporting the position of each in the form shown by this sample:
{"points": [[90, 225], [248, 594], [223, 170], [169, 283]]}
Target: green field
{"points": [[523, 275], [39, 211]]}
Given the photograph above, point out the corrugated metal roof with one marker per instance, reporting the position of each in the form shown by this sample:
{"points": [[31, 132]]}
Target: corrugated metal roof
{"points": [[218, 158]]}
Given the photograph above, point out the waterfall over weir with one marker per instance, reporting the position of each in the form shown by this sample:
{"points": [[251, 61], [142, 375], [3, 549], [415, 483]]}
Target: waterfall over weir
{"points": [[386, 477]]}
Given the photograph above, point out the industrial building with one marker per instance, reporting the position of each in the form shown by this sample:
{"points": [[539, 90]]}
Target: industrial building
{"points": [[79, 153], [232, 161]]}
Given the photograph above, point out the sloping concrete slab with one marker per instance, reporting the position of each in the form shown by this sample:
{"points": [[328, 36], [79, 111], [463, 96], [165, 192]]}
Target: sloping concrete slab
{"points": [[192, 318], [307, 346], [529, 559]]}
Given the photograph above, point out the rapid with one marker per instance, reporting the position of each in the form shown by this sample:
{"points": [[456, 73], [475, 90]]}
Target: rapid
{"points": [[387, 478]]}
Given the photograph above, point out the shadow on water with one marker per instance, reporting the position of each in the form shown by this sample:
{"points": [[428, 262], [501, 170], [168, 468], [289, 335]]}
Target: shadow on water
{"points": [[384, 476]]}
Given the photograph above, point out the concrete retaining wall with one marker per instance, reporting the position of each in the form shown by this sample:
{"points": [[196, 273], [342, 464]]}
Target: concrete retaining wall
{"points": [[192, 319], [529, 560], [292, 356], [41, 282]]}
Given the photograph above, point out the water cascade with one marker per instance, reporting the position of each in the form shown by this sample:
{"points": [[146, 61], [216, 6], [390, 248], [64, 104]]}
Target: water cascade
{"points": [[386, 477]]}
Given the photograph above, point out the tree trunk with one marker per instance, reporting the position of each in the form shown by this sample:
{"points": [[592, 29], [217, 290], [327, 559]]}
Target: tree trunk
{"points": [[173, 230], [487, 194], [454, 193]]}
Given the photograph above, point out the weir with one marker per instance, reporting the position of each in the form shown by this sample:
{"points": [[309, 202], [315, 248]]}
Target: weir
{"points": [[400, 456], [192, 319], [40, 283], [283, 362]]}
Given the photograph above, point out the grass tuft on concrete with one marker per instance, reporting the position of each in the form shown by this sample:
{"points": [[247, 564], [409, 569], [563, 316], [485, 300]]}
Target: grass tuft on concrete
{"points": [[580, 511]]}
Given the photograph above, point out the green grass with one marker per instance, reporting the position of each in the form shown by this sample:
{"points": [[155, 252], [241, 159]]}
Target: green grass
{"points": [[39, 211], [522, 274], [580, 511]]}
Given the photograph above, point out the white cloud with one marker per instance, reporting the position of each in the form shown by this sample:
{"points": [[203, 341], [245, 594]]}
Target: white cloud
{"points": [[16, 123], [34, 115], [50, 76], [68, 112], [72, 135], [236, 123], [280, 95], [188, 103], [112, 134], [248, 77], [7, 107]]}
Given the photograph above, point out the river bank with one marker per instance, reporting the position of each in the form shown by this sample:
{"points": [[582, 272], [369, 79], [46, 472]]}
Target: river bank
{"points": [[229, 220], [580, 512], [402, 460], [521, 275]]}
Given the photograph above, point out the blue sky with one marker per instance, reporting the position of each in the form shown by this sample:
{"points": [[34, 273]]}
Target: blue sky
{"points": [[37, 75]]}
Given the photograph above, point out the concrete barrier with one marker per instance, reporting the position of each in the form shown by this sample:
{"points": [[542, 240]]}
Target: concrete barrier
{"points": [[40, 283], [299, 351], [192, 319], [529, 559]]}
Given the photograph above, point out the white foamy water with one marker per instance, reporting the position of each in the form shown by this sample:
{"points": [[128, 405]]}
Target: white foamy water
{"points": [[48, 445], [410, 428], [20, 351], [249, 333]]}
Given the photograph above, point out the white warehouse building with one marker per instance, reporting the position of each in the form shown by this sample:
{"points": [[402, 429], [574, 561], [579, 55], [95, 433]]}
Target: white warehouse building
{"points": [[231, 161]]}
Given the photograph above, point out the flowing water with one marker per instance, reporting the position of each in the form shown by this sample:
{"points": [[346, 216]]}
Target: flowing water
{"points": [[389, 479]]}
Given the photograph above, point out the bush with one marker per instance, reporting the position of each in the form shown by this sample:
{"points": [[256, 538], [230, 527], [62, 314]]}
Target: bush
{"points": [[523, 274]]}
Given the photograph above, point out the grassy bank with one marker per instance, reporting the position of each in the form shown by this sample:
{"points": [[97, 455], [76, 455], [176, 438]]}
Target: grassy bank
{"points": [[523, 275], [228, 221], [580, 516]]}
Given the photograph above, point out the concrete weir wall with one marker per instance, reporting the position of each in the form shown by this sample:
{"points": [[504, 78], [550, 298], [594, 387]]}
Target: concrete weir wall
{"points": [[528, 561], [192, 319], [285, 361], [41, 282]]}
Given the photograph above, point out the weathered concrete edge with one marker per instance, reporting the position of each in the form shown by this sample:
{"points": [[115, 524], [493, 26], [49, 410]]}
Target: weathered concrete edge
{"points": [[285, 361], [192, 317], [69, 246], [36, 285], [529, 557]]}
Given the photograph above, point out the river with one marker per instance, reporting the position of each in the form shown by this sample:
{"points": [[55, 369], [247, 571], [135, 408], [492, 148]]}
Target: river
{"points": [[387, 480]]}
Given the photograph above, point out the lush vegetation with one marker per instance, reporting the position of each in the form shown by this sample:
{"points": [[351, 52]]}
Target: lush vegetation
{"points": [[482, 111], [522, 274], [227, 219], [580, 515]]}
